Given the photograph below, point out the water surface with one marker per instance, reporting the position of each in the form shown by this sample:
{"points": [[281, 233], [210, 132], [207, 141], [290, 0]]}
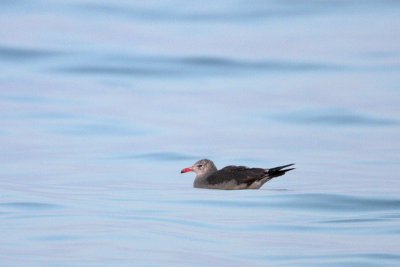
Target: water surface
{"points": [[102, 105]]}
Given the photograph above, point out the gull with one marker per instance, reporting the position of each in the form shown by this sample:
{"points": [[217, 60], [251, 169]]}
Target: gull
{"points": [[232, 177]]}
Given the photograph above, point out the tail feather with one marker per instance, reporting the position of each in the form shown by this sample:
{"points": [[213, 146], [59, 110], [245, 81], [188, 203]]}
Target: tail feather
{"points": [[279, 171]]}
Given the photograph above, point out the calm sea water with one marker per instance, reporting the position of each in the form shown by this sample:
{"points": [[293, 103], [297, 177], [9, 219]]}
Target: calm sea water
{"points": [[103, 103]]}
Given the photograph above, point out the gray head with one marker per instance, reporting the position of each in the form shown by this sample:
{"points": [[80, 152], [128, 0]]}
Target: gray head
{"points": [[201, 167]]}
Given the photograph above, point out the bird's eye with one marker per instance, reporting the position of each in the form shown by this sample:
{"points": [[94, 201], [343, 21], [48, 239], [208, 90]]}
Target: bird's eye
{"points": [[199, 166]]}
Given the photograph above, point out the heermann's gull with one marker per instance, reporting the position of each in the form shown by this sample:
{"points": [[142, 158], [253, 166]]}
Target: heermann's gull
{"points": [[232, 177]]}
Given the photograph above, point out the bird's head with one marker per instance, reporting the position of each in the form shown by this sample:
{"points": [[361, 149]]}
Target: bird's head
{"points": [[201, 167]]}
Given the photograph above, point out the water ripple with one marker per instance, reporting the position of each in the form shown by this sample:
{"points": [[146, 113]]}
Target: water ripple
{"points": [[188, 15], [23, 54], [343, 203], [214, 12], [118, 70], [226, 63], [337, 118], [29, 205], [162, 66], [158, 156], [97, 128], [312, 202]]}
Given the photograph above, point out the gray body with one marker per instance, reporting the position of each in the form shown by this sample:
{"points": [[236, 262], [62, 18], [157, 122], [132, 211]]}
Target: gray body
{"points": [[232, 177]]}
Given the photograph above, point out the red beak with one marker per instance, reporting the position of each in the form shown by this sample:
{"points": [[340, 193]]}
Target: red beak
{"points": [[186, 170]]}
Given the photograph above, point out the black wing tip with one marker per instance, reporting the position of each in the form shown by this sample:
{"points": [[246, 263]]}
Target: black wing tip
{"points": [[286, 170], [283, 166], [288, 165], [278, 171]]}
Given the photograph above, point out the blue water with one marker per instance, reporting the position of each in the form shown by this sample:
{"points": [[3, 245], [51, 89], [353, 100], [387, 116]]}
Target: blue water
{"points": [[102, 105]]}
